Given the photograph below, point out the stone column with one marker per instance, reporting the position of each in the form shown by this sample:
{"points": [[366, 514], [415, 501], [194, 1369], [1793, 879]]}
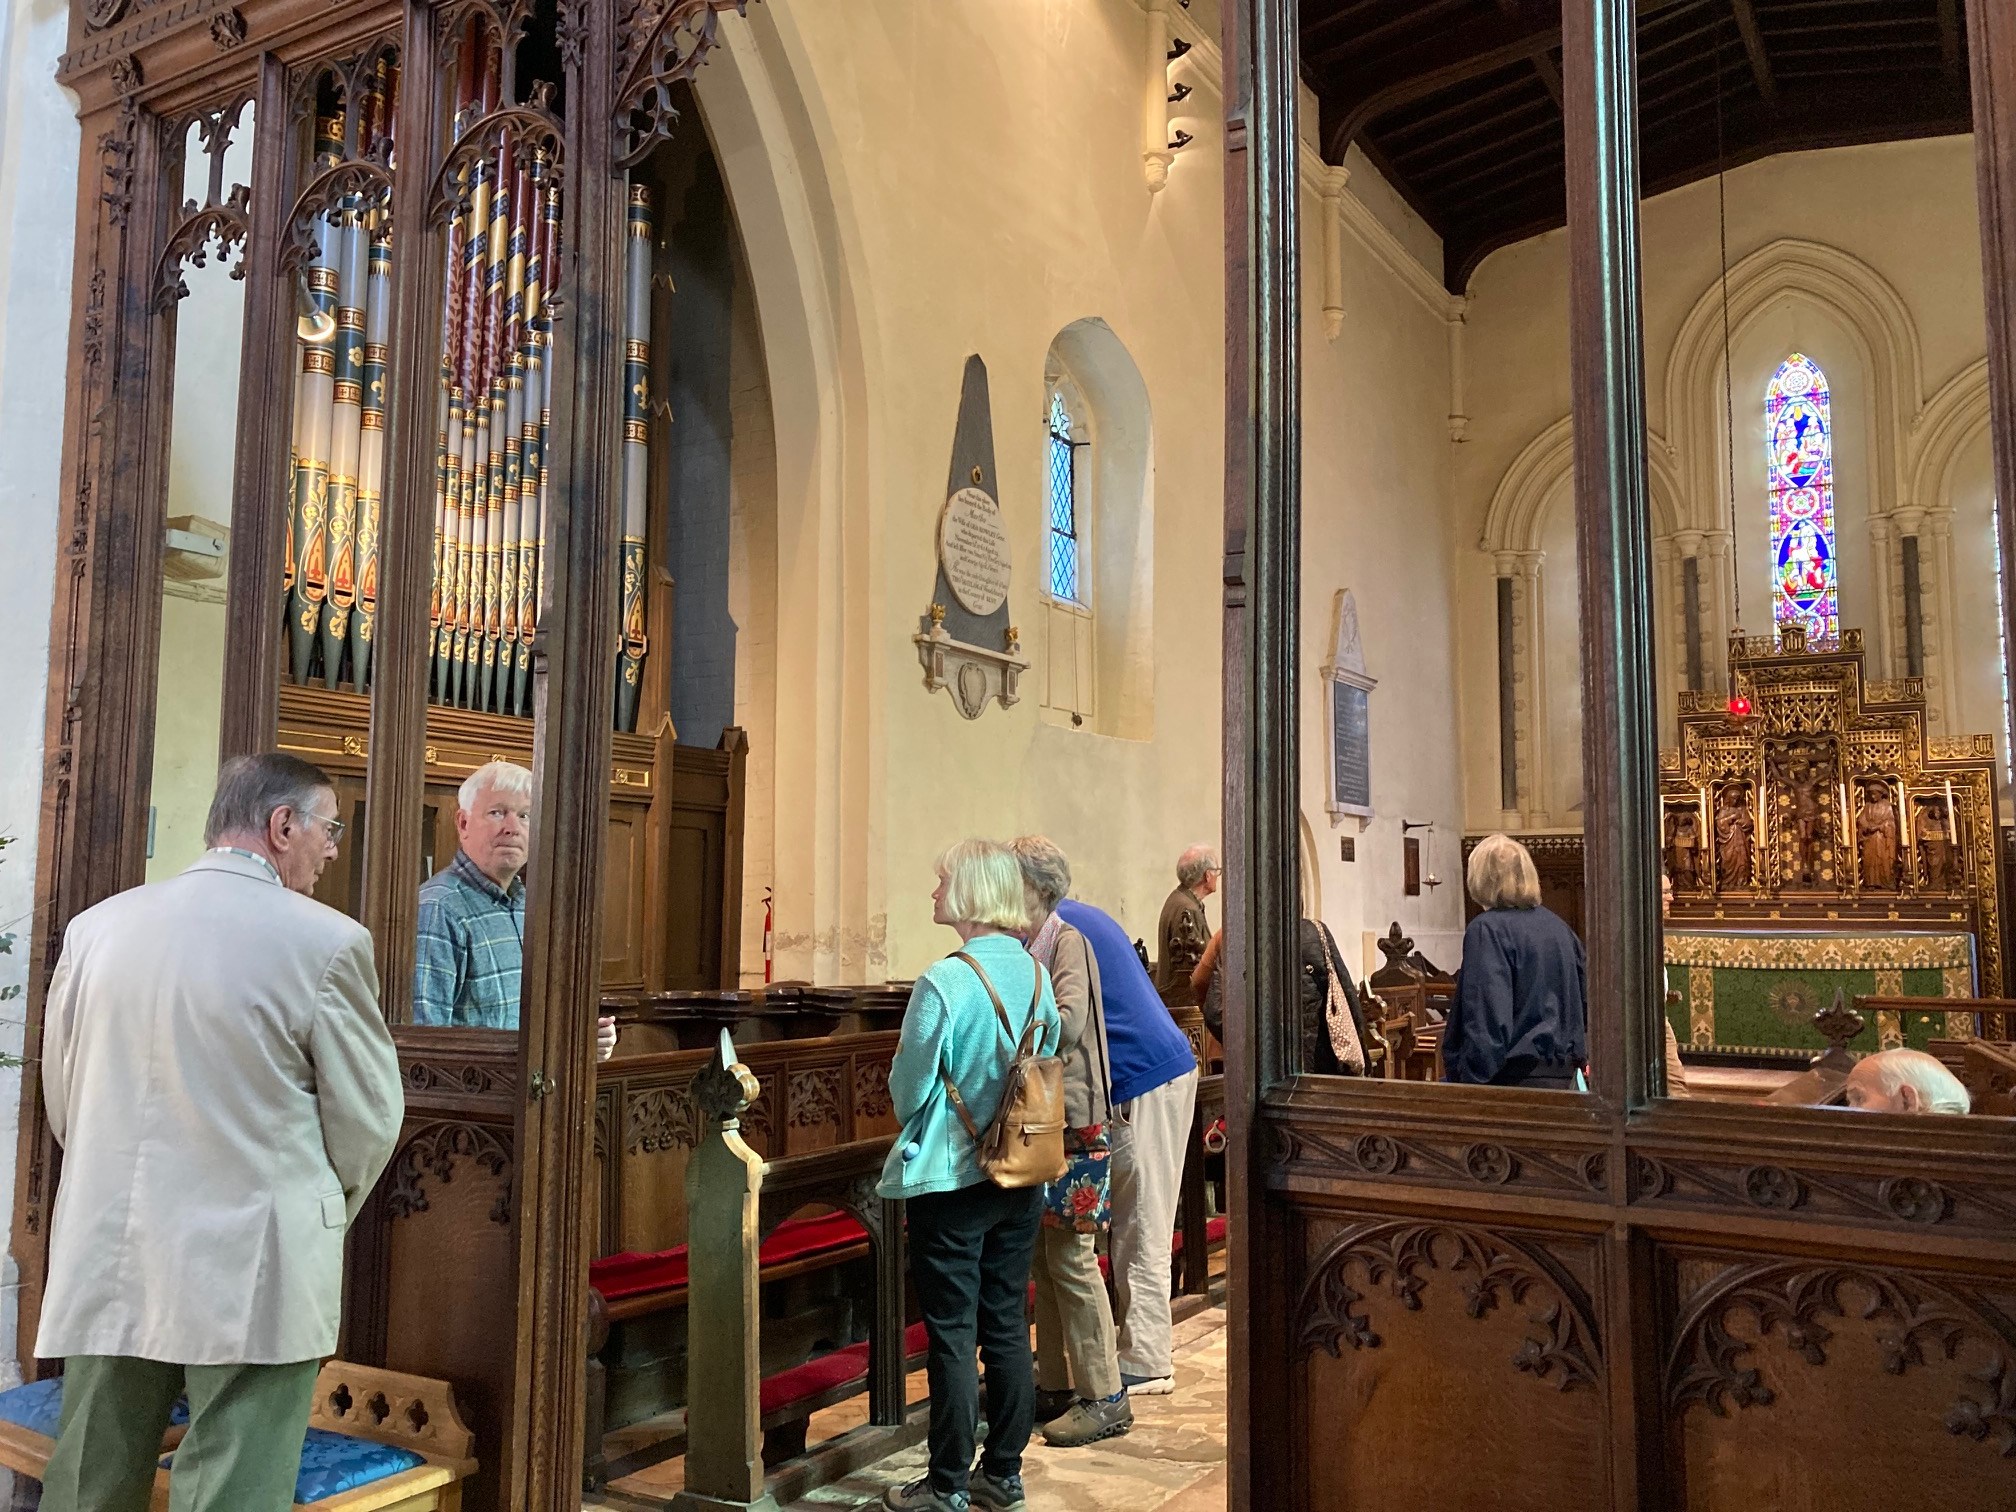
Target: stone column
{"points": [[1941, 617], [1527, 666], [724, 1184], [1888, 642], [1335, 179], [1718, 607]]}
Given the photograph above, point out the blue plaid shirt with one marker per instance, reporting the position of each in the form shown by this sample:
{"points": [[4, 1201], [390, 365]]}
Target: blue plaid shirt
{"points": [[470, 955]]}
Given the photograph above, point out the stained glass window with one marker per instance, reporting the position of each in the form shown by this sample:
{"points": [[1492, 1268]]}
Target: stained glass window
{"points": [[1064, 541], [1799, 466]]}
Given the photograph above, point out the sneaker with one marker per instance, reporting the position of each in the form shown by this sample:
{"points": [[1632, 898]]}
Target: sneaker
{"points": [[919, 1497], [1088, 1422], [1051, 1405], [1148, 1385], [997, 1493]]}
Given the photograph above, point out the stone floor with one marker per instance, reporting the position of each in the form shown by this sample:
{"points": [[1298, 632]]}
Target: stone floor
{"points": [[1173, 1460]]}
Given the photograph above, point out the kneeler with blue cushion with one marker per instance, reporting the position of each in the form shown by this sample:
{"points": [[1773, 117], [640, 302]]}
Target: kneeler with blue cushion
{"points": [[378, 1441]]}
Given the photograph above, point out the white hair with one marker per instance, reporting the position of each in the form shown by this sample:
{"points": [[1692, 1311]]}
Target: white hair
{"points": [[1938, 1089], [1046, 874], [501, 776], [1195, 864]]}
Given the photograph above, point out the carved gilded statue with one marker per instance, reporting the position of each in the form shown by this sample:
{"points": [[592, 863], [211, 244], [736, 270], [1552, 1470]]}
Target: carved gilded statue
{"points": [[1683, 848], [1808, 819], [1937, 851], [1735, 829], [1876, 835]]}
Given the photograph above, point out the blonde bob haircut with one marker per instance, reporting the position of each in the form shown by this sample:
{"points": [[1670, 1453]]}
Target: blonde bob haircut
{"points": [[1501, 874], [983, 885]]}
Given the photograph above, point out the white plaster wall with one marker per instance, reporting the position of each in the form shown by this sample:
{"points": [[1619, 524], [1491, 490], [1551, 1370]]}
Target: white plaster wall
{"points": [[38, 185], [1907, 211], [984, 168]]}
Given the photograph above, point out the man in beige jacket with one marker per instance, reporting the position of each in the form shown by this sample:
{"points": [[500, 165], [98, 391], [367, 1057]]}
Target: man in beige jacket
{"points": [[226, 1092]]}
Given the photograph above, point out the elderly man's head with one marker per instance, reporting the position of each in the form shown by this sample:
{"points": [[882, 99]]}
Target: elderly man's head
{"points": [[279, 807], [1197, 869], [494, 819], [1905, 1081]]}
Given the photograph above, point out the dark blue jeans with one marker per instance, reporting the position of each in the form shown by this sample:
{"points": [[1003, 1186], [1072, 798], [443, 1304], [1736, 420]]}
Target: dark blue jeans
{"points": [[969, 1261]]}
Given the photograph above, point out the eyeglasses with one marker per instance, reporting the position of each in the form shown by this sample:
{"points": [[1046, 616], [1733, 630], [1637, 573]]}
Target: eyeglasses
{"points": [[331, 826]]}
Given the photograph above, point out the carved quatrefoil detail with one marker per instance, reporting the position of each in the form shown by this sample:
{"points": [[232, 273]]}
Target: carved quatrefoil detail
{"points": [[1377, 1154], [1774, 1187], [1914, 1199], [1494, 1165]]}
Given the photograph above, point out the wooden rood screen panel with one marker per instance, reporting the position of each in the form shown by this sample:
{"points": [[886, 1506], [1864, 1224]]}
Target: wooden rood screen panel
{"points": [[1524, 1301]]}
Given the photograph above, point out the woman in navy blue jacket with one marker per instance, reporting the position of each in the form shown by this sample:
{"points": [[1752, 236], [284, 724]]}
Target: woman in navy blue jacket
{"points": [[1521, 1016]]}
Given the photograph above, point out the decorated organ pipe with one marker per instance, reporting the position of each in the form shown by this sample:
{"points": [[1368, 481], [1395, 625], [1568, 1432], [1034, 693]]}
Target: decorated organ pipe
{"points": [[314, 401], [633, 643], [342, 255], [346, 433], [371, 450]]}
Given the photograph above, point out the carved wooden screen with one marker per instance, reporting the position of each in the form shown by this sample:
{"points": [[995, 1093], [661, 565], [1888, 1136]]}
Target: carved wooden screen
{"points": [[1515, 1299]]}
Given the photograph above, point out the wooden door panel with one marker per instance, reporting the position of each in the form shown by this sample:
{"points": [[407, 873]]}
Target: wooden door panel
{"points": [[1484, 1334], [1830, 1385]]}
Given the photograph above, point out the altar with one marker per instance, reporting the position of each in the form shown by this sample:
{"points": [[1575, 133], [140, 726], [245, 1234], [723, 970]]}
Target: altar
{"points": [[1820, 839], [1753, 993]]}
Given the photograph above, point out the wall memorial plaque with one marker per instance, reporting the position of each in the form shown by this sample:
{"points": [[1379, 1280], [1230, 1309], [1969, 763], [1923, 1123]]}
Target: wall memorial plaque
{"points": [[1350, 686], [973, 550], [967, 640]]}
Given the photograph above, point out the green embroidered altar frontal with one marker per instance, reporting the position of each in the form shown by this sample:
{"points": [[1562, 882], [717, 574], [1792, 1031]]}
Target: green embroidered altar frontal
{"points": [[1754, 992]]}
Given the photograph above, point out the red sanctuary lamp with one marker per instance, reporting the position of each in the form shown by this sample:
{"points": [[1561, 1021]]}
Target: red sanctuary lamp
{"points": [[1739, 706]]}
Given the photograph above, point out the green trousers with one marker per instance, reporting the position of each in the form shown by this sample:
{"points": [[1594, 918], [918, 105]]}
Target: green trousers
{"points": [[242, 1452]]}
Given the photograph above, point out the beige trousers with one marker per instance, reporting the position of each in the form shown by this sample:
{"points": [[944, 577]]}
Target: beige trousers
{"points": [[1148, 1146], [1075, 1344]]}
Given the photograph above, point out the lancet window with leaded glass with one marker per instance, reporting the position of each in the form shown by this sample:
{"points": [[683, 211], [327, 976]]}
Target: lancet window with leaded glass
{"points": [[1799, 471]]}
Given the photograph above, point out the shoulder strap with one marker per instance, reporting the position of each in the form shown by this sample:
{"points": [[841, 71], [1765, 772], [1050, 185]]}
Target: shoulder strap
{"points": [[1001, 1013]]}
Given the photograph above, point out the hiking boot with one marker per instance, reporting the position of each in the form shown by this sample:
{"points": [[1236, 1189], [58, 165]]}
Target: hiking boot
{"points": [[1051, 1405], [919, 1497], [997, 1493], [1088, 1422]]}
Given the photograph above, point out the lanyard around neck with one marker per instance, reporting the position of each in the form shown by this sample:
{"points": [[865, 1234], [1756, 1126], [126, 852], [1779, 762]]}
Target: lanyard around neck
{"points": [[234, 850]]}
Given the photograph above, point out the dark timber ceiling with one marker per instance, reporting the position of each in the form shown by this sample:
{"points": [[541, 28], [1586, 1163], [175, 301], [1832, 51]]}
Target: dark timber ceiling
{"points": [[1458, 102]]}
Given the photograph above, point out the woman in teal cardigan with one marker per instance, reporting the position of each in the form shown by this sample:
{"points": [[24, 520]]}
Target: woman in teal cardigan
{"points": [[971, 1241]]}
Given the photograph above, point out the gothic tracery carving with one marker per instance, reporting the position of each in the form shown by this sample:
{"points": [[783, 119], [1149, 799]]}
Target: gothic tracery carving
{"points": [[1560, 1344], [1921, 1323], [434, 1151]]}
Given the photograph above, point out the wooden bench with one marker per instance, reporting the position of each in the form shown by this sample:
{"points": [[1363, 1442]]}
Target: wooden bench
{"points": [[412, 1415]]}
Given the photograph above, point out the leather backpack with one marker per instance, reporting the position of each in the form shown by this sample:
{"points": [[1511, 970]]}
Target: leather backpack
{"points": [[1024, 1144]]}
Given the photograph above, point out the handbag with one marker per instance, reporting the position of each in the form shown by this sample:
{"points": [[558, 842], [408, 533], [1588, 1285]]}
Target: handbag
{"points": [[1024, 1143]]}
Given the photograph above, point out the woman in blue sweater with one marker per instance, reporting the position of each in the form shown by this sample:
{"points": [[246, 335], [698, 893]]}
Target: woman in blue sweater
{"points": [[971, 1241], [1520, 1018]]}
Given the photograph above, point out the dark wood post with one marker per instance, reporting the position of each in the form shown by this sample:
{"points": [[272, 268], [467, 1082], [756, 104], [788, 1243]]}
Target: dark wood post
{"points": [[1620, 742], [1261, 574], [573, 660], [250, 716], [1991, 48], [396, 774], [1620, 731]]}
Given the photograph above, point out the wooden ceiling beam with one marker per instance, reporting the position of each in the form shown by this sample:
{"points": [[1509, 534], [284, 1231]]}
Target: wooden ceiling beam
{"points": [[1550, 76], [1753, 44]]}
